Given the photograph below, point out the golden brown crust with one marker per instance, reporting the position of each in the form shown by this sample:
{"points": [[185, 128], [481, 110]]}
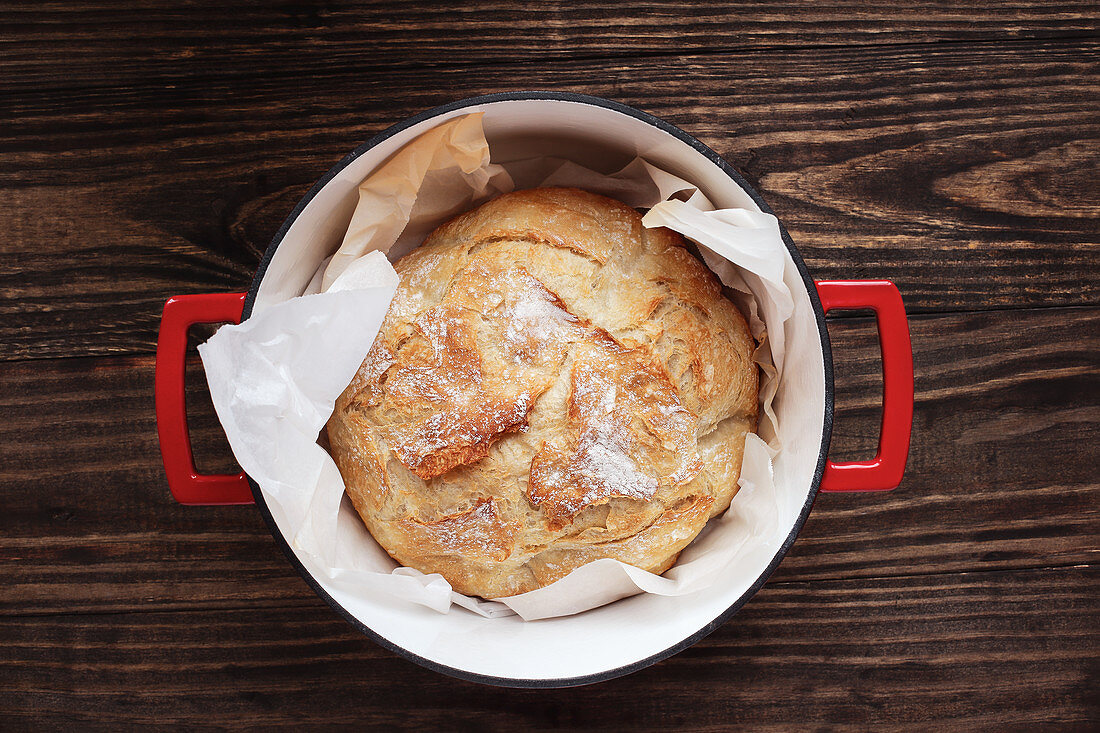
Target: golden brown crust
{"points": [[553, 384]]}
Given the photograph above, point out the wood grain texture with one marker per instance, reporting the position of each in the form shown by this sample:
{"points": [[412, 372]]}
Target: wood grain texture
{"points": [[965, 173], [103, 534], [101, 43], [1003, 651], [951, 146]]}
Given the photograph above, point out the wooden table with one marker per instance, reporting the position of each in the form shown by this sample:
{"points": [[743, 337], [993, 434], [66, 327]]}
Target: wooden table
{"points": [[953, 149]]}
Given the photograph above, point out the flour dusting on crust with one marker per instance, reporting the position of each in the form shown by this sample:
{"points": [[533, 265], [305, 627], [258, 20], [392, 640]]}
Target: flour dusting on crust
{"points": [[539, 396]]}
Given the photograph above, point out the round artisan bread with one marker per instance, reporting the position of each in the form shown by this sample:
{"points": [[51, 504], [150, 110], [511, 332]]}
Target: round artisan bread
{"points": [[553, 384]]}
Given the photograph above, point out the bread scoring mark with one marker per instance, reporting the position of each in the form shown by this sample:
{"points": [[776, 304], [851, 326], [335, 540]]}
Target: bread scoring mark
{"points": [[455, 406], [524, 320], [673, 527], [683, 520], [479, 532], [439, 364], [564, 481], [537, 324], [628, 434], [692, 511], [533, 236], [453, 438], [441, 374]]}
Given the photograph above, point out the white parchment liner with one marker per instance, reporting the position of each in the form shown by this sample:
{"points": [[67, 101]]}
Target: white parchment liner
{"points": [[275, 378]]}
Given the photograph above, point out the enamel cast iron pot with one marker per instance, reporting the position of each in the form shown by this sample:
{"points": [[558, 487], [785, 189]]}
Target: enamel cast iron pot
{"points": [[635, 632]]}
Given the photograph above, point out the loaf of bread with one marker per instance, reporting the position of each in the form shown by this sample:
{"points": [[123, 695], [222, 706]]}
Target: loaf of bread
{"points": [[553, 384]]}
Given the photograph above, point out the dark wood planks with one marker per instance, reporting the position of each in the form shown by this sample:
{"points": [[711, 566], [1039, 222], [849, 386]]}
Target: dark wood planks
{"points": [[964, 173], [951, 146], [1002, 474], [993, 650], [106, 43], [993, 393]]}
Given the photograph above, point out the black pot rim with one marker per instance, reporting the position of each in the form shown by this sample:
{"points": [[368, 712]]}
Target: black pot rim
{"points": [[819, 315]]}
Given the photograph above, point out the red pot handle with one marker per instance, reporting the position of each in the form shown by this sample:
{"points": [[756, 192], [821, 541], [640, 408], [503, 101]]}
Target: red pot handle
{"points": [[884, 472], [188, 486]]}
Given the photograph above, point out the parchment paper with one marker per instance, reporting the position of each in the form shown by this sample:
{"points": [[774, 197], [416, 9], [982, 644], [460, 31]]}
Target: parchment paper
{"points": [[275, 378]]}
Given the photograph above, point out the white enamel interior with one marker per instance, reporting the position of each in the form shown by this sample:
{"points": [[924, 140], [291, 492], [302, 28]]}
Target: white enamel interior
{"points": [[635, 628]]}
